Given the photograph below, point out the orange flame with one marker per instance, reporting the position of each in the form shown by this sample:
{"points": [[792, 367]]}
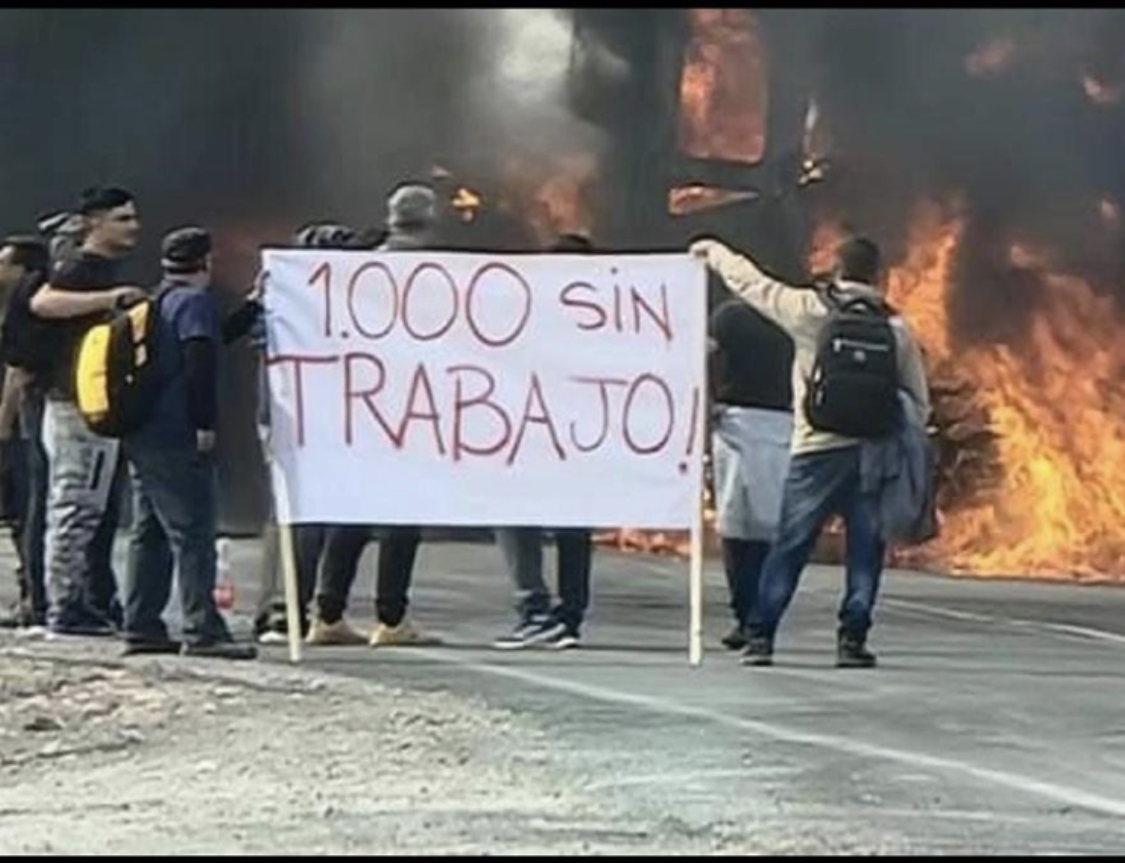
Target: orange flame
{"points": [[696, 197], [467, 203], [552, 199], [1055, 402], [723, 87]]}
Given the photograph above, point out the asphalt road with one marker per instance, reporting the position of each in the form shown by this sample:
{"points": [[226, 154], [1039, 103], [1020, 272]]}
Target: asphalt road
{"points": [[994, 722]]}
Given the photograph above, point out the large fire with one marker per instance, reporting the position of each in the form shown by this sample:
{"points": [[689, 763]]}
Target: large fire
{"points": [[552, 199], [1054, 401], [723, 88]]}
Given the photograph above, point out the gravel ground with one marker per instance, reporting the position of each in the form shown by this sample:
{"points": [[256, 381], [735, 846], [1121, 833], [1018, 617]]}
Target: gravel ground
{"points": [[101, 754]]}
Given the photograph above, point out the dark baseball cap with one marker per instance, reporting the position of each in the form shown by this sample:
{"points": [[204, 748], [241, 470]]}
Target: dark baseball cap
{"points": [[185, 248]]}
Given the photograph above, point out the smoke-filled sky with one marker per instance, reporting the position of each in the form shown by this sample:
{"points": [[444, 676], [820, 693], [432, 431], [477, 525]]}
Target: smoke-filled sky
{"points": [[268, 118]]}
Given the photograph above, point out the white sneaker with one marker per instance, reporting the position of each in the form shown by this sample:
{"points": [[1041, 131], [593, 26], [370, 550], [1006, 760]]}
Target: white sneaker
{"points": [[403, 635], [338, 633]]}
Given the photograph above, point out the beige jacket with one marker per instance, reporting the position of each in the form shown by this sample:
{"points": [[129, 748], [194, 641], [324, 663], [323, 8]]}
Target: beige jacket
{"points": [[801, 313]]}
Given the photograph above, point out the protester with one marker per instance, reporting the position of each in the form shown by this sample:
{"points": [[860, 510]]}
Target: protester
{"points": [[412, 223], [271, 625], [824, 477], [750, 363], [171, 456], [23, 267], [539, 623], [82, 465]]}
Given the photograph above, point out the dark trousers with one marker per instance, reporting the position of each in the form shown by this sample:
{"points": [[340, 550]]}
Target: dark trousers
{"points": [[523, 551], [308, 547], [575, 552], [343, 547], [818, 486], [743, 560], [29, 504], [101, 594], [174, 524]]}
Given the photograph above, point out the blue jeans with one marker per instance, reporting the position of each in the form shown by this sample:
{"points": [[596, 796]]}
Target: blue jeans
{"points": [[818, 486], [174, 522]]}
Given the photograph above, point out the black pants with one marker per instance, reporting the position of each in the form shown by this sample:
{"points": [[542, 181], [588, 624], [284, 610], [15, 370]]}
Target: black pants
{"points": [[575, 550], [101, 592], [743, 560], [308, 546], [343, 547], [29, 504]]}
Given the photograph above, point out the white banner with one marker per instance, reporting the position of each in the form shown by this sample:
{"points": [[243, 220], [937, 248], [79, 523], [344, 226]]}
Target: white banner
{"points": [[472, 389]]}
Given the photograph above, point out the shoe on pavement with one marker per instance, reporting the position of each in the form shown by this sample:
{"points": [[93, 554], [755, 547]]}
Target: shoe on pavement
{"points": [[80, 630], [273, 636], [403, 635], [735, 639], [758, 652], [220, 650], [338, 633], [852, 652], [563, 638], [533, 630], [139, 647]]}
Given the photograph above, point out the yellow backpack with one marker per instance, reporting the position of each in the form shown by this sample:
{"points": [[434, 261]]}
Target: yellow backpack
{"points": [[117, 376]]}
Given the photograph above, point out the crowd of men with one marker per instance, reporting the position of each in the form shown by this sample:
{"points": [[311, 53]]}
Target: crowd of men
{"points": [[780, 470]]}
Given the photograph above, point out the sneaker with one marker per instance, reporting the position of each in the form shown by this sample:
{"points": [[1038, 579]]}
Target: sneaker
{"points": [[563, 638], [852, 652], [80, 630], [758, 652], [220, 650], [138, 647], [403, 635], [338, 633], [273, 636], [735, 639], [534, 630]]}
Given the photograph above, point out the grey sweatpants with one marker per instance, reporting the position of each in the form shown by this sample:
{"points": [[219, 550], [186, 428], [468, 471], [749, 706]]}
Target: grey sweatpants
{"points": [[81, 469]]}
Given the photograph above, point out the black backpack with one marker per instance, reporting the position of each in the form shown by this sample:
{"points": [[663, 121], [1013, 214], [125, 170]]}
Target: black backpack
{"points": [[853, 390]]}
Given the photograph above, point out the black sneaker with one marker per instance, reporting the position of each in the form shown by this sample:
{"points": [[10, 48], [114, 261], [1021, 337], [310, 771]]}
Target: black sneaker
{"points": [[758, 652], [81, 629], [852, 652], [735, 639], [137, 647], [563, 638], [535, 630], [220, 650]]}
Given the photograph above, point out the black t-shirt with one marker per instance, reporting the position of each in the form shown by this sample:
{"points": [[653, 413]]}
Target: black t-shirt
{"points": [[22, 335], [753, 364], [84, 273]]}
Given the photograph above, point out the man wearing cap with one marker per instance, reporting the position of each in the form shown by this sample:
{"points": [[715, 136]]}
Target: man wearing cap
{"points": [[173, 469]]}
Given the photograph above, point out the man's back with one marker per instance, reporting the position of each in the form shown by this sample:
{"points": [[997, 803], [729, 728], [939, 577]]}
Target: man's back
{"points": [[802, 313], [187, 313]]}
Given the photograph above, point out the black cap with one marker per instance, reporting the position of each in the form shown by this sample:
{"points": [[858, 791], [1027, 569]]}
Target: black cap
{"points": [[184, 249]]}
